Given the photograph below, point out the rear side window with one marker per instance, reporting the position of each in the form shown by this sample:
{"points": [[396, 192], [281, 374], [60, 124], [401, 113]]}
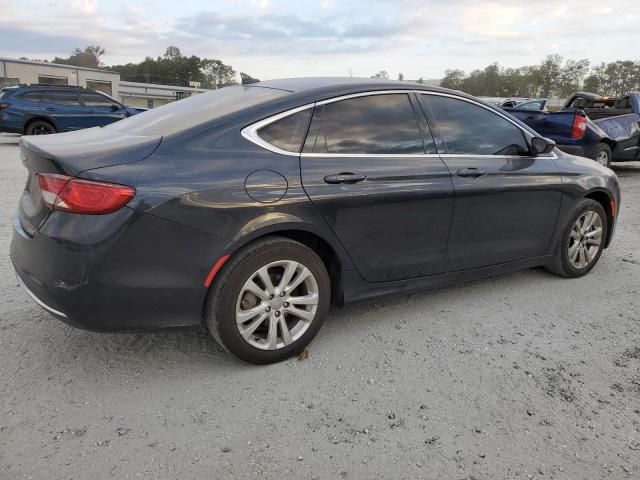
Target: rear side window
{"points": [[473, 130], [63, 98], [197, 110], [288, 133], [375, 124], [32, 97]]}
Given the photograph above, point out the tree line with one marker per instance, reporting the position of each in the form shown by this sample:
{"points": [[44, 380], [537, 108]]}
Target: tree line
{"points": [[554, 76], [172, 68]]}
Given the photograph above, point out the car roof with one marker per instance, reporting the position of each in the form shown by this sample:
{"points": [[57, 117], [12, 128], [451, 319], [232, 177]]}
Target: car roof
{"points": [[330, 84], [52, 85]]}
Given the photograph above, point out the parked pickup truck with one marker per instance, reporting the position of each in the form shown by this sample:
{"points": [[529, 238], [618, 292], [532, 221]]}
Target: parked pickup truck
{"points": [[605, 129]]}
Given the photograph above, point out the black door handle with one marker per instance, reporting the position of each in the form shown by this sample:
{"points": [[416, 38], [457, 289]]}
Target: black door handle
{"points": [[470, 172], [344, 177]]}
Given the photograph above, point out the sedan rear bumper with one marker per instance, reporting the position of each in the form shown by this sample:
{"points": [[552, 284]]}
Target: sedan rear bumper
{"points": [[126, 271], [34, 297]]}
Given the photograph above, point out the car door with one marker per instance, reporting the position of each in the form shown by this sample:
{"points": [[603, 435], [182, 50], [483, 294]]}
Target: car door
{"points": [[370, 167], [101, 110], [506, 200], [64, 106]]}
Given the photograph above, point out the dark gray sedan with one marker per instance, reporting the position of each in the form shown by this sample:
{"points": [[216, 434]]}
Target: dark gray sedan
{"points": [[252, 208]]}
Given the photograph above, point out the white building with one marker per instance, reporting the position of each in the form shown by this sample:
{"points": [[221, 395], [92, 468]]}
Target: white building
{"points": [[19, 72]]}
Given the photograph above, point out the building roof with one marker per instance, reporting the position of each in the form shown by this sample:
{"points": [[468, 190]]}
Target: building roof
{"points": [[57, 65], [158, 86]]}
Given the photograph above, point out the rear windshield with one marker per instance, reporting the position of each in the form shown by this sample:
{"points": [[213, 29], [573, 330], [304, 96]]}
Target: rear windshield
{"points": [[195, 110]]}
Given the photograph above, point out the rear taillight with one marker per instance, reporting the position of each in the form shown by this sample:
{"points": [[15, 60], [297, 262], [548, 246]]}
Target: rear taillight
{"points": [[3, 105], [76, 195], [579, 126]]}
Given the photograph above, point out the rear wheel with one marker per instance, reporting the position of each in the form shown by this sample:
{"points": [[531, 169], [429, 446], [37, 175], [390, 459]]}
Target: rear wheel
{"points": [[582, 241], [40, 127], [601, 153], [269, 301]]}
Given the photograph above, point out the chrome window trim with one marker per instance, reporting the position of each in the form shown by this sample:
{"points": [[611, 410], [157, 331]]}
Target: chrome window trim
{"points": [[251, 132], [381, 155], [364, 94]]}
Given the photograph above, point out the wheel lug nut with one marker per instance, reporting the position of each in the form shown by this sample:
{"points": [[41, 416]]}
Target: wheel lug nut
{"points": [[268, 309], [286, 305], [282, 294], [277, 313], [271, 296]]}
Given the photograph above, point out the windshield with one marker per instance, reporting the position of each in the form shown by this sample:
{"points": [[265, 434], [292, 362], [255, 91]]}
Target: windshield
{"points": [[195, 110]]}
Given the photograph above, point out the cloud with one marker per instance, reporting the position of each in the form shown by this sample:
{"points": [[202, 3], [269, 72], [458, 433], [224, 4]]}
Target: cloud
{"points": [[491, 19], [270, 33], [84, 6], [290, 37]]}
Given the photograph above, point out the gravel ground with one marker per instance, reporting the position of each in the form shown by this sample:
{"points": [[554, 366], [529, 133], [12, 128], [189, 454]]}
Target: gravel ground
{"points": [[521, 376]]}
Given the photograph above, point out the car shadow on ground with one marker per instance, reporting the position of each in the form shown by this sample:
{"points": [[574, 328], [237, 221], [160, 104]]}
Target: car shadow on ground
{"points": [[180, 348], [9, 139]]}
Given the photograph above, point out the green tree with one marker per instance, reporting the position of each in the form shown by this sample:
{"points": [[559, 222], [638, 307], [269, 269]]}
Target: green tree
{"points": [[453, 79], [571, 77], [216, 73], [89, 57], [174, 68], [382, 74], [549, 74]]}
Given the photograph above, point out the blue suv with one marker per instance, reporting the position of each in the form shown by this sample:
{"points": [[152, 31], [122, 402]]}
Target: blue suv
{"points": [[46, 109]]}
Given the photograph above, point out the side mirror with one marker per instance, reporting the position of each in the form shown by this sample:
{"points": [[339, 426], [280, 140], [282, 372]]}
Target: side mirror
{"points": [[541, 145], [115, 107]]}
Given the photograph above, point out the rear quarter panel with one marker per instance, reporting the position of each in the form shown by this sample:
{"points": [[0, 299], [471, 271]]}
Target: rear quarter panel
{"points": [[198, 180]]}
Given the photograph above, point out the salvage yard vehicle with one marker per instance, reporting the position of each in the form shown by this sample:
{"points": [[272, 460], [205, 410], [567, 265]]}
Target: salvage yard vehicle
{"points": [[252, 208], [604, 129], [46, 109]]}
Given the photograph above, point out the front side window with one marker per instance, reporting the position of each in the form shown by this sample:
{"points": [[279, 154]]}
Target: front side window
{"points": [[63, 98], [473, 130], [95, 100], [375, 124], [536, 106], [289, 132]]}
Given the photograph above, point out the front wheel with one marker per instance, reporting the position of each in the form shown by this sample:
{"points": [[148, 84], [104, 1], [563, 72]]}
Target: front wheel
{"points": [[269, 301], [582, 241]]}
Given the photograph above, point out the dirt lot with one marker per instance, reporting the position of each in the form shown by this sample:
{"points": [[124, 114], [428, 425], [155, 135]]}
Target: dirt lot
{"points": [[522, 376]]}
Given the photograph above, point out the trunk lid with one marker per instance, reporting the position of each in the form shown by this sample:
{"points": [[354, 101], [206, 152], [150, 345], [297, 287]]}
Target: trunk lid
{"points": [[71, 154]]}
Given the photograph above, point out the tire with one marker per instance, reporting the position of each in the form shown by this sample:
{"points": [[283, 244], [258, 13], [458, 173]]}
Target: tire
{"points": [[571, 237], [601, 153], [230, 298], [40, 127]]}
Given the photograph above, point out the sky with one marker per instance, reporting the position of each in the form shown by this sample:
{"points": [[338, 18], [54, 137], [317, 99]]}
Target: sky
{"points": [[288, 38]]}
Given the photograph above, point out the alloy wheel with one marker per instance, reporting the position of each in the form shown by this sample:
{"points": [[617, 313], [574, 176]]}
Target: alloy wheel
{"points": [[603, 158], [276, 305], [585, 239], [42, 130]]}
